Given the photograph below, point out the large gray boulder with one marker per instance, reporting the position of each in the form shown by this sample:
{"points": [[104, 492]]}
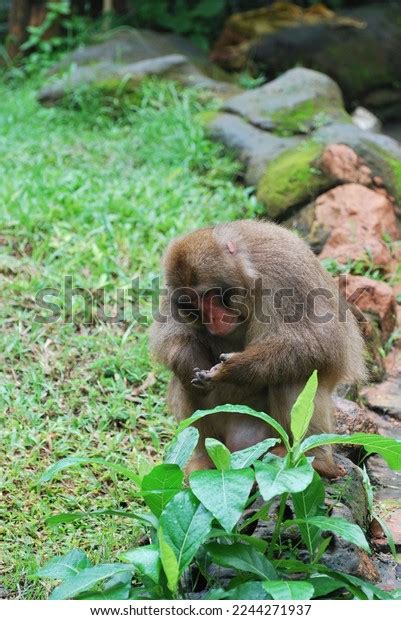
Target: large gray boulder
{"points": [[129, 55], [296, 102]]}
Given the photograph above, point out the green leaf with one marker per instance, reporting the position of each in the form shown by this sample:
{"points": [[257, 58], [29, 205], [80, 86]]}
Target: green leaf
{"points": [[86, 579], [302, 410], [289, 590], [368, 489], [169, 562], [180, 449], [323, 584], [218, 453], [69, 517], [146, 560], [348, 531], [115, 589], [185, 524], [309, 503], [208, 8], [234, 409], [243, 558], [275, 477], [259, 544], [388, 534], [248, 591], [386, 447], [247, 457], [160, 485], [74, 461], [65, 566], [223, 493]]}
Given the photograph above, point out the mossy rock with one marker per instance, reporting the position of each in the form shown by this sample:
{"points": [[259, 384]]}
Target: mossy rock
{"points": [[380, 152], [291, 179], [297, 102]]}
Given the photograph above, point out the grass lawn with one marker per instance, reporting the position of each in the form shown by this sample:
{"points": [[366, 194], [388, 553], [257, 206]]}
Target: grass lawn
{"points": [[97, 199]]}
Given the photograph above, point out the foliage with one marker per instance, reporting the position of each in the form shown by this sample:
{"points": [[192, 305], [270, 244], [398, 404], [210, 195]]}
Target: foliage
{"points": [[190, 529], [199, 19], [99, 199]]}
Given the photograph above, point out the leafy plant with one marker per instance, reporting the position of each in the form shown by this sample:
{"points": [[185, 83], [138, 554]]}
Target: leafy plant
{"points": [[190, 526]]}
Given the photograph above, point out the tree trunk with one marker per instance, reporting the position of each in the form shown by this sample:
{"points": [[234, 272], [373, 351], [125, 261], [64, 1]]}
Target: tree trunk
{"points": [[20, 13]]}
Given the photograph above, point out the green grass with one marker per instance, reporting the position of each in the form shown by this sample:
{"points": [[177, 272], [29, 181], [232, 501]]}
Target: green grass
{"points": [[84, 195]]}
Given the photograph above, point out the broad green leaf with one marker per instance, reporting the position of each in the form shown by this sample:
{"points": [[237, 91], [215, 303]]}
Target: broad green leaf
{"points": [[275, 477], [219, 454], [247, 457], [323, 584], [65, 566], [185, 524], [302, 410], [169, 562], [348, 531], [259, 544], [86, 579], [386, 447], [243, 558], [224, 493], [289, 590], [115, 589], [356, 585], [309, 503], [146, 561], [74, 461], [248, 591], [69, 517], [201, 413], [160, 485], [180, 449]]}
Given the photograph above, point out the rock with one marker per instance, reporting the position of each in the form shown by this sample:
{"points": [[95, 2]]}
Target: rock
{"points": [[304, 223], [130, 55], [342, 53], [389, 570], [255, 148], [385, 397], [380, 153], [386, 501], [291, 179], [128, 45], [343, 165], [296, 102], [365, 120], [373, 297], [358, 219], [351, 418]]}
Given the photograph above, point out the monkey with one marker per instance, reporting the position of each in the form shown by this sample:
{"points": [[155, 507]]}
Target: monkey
{"points": [[249, 313]]}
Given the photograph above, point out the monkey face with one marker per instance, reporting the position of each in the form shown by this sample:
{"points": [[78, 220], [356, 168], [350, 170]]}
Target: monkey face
{"points": [[210, 309]]}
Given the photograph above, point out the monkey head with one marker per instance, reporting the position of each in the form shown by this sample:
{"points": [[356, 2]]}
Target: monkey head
{"points": [[204, 283]]}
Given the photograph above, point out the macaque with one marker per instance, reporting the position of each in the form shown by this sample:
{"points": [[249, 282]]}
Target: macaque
{"points": [[248, 315]]}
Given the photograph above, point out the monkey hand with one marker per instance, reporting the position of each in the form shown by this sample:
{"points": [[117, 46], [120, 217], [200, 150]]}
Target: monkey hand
{"points": [[203, 379]]}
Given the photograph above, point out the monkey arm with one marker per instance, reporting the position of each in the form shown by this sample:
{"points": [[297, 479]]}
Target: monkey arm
{"points": [[274, 361], [180, 349]]}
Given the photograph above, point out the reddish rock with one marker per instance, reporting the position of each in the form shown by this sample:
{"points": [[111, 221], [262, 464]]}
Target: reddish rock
{"points": [[374, 297], [351, 418], [385, 397], [357, 218], [341, 163]]}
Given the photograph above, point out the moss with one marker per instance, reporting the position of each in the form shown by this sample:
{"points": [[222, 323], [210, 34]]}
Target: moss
{"points": [[306, 116], [291, 178]]}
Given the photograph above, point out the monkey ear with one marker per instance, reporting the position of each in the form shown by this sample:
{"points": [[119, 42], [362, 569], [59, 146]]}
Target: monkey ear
{"points": [[231, 247]]}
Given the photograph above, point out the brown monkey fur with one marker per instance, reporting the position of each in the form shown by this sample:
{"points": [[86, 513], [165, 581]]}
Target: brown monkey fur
{"points": [[260, 364]]}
